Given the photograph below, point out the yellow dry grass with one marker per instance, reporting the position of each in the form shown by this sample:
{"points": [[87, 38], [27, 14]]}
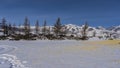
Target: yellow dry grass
{"points": [[79, 48], [93, 45], [104, 42]]}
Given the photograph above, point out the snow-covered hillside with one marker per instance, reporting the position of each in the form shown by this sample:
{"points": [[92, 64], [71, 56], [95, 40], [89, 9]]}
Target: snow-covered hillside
{"points": [[94, 31], [114, 28], [99, 31]]}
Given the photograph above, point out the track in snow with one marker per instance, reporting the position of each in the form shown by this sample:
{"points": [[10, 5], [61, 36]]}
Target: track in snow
{"points": [[7, 60]]}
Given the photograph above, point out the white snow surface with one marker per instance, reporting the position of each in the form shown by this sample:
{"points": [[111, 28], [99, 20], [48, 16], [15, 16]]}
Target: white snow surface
{"points": [[10, 61], [7, 60], [57, 54]]}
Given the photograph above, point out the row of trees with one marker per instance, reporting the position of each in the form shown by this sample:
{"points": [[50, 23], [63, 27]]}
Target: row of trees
{"points": [[14, 32]]}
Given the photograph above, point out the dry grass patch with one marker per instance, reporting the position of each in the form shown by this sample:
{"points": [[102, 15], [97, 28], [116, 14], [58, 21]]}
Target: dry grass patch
{"points": [[83, 47], [104, 42]]}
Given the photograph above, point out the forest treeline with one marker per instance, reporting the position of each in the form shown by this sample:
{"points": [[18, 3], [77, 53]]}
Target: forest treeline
{"points": [[58, 31]]}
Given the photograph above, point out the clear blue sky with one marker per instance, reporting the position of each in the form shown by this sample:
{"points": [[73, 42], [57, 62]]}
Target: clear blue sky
{"points": [[96, 12]]}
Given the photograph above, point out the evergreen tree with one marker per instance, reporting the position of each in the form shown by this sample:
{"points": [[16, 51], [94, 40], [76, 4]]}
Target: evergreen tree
{"points": [[44, 28], [37, 27], [3, 23], [4, 26], [84, 31], [27, 35], [14, 28], [58, 27], [9, 29], [6, 30], [19, 29], [27, 26], [49, 30]]}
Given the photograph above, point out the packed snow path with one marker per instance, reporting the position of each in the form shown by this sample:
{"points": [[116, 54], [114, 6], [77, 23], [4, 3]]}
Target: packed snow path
{"points": [[65, 54]]}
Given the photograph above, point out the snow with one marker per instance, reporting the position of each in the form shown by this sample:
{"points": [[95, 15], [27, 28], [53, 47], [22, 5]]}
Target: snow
{"points": [[7, 60], [10, 61], [5, 48], [58, 54], [1, 33]]}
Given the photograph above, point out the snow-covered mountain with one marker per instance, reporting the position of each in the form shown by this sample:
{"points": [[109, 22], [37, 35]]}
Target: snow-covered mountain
{"points": [[99, 31], [76, 31], [114, 28]]}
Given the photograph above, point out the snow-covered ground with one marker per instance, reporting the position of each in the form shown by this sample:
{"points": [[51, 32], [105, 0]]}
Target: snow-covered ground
{"points": [[58, 54]]}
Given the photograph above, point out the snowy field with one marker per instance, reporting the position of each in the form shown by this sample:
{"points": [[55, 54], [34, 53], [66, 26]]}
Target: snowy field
{"points": [[59, 54]]}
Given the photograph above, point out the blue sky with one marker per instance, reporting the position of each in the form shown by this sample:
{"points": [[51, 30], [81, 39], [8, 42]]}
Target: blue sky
{"points": [[95, 12]]}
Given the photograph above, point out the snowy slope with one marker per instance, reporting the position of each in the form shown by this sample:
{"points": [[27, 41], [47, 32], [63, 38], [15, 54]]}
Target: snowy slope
{"points": [[115, 28], [98, 31]]}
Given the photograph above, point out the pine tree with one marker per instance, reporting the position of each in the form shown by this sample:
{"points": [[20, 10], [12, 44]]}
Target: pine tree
{"points": [[37, 27], [49, 30], [84, 31], [27, 35], [44, 27], [4, 26], [14, 28], [19, 29], [6, 29], [58, 27], [9, 29], [27, 26]]}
